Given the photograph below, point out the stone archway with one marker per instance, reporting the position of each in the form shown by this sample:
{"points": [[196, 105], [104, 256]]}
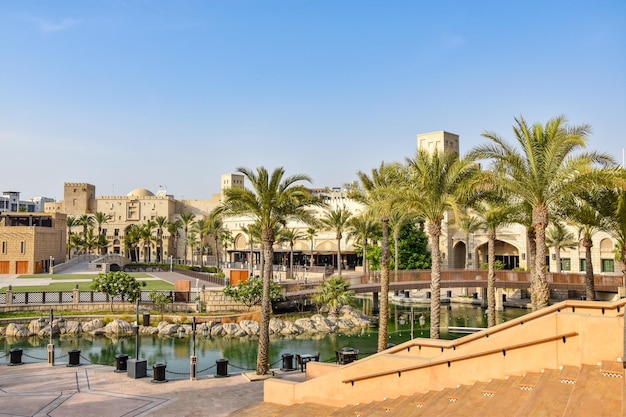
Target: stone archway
{"points": [[459, 254], [507, 253]]}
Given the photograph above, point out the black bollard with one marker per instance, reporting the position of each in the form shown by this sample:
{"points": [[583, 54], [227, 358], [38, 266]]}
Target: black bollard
{"points": [[74, 358], [222, 368], [15, 357], [158, 373], [121, 362]]}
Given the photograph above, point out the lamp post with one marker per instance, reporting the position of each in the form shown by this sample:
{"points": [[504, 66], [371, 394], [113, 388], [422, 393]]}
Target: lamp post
{"points": [[51, 344], [193, 360], [171, 262]]}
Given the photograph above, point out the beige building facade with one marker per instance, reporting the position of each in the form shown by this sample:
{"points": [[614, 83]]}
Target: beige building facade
{"points": [[31, 242]]}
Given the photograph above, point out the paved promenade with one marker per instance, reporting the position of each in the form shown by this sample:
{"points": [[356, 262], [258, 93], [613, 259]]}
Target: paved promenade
{"points": [[96, 390]]}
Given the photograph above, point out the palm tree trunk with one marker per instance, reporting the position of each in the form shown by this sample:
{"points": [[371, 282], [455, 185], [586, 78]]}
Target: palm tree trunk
{"points": [[339, 254], [590, 290], [396, 238], [557, 258], [263, 362], [383, 315], [491, 278], [434, 231], [540, 291], [291, 260]]}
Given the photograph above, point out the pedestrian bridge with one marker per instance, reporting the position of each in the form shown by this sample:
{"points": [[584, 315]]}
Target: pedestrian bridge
{"points": [[471, 278]]}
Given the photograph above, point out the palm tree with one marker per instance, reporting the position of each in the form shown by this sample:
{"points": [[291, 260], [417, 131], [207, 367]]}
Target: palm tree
{"points": [[172, 230], [192, 241], [336, 220], [101, 219], [362, 228], [216, 229], [201, 228], [147, 238], [494, 214], [582, 212], [311, 233], [435, 184], [273, 200], [559, 238], [71, 222], [335, 292], [132, 237], [90, 240], [397, 220], [86, 221], [186, 220], [376, 193], [161, 224], [291, 236], [542, 172]]}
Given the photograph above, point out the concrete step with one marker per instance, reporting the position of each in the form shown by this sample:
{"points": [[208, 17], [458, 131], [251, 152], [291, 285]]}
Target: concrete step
{"points": [[306, 410], [598, 391], [259, 409], [549, 396]]}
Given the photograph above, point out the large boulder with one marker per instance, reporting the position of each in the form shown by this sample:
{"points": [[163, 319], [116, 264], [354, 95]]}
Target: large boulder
{"points": [[324, 324], [306, 324], [17, 330], [167, 329], [72, 327], [233, 329], [92, 325], [218, 330], [276, 325], [118, 327], [251, 327], [291, 328]]}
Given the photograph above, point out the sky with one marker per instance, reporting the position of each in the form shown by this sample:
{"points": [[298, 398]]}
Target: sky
{"points": [[156, 94]]}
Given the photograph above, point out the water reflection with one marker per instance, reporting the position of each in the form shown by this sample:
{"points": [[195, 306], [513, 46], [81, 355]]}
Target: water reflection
{"points": [[241, 352]]}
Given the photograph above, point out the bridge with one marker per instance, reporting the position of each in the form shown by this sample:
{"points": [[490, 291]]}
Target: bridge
{"points": [[468, 278]]}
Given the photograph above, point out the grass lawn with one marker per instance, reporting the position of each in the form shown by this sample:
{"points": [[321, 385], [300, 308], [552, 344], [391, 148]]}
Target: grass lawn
{"points": [[74, 277], [68, 281]]}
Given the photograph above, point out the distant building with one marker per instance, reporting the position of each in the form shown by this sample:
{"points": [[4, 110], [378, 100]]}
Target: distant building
{"points": [[31, 242], [10, 201]]}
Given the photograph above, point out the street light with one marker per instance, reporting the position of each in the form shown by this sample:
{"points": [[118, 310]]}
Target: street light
{"points": [[193, 360], [51, 344]]}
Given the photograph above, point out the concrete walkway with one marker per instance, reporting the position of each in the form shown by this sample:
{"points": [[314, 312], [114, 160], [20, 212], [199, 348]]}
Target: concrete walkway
{"points": [[96, 390]]}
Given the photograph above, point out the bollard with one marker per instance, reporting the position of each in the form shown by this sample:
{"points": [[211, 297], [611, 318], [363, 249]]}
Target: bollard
{"points": [[16, 357], [74, 357], [146, 319], [121, 364], [448, 293], [158, 373], [222, 368], [287, 362]]}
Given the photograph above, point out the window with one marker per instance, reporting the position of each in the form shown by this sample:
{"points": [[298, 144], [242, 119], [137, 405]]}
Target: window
{"points": [[583, 264], [4, 247], [566, 264], [608, 265], [116, 232], [22, 247], [104, 232]]}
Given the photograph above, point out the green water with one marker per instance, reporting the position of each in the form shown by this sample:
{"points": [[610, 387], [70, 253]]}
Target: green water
{"points": [[241, 352]]}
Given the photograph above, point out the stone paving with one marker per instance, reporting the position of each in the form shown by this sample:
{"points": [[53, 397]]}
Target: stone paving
{"points": [[97, 390]]}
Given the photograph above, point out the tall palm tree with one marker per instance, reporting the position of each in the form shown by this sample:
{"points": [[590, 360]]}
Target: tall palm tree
{"points": [[311, 232], [101, 219], [201, 228], [147, 237], [215, 229], [559, 238], [336, 220], [172, 230], [494, 214], [71, 222], [361, 229], [186, 220], [273, 200], [581, 211], [161, 224], [291, 236], [397, 220], [540, 171], [132, 237], [435, 184], [376, 192]]}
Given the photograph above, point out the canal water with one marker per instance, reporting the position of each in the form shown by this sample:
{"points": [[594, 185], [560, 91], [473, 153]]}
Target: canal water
{"points": [[241, 352]]}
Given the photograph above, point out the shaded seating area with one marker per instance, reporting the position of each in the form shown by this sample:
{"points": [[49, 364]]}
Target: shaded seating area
{"points": [[303, 359]]}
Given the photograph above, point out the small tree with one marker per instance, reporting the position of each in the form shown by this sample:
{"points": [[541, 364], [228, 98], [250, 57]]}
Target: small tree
{"points": [[250, 293], [118, 284], [160, 300], [335, 292]]}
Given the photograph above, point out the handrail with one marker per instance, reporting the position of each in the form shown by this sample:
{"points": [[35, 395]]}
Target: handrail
{"points": [[453, 344], [449, 361]]}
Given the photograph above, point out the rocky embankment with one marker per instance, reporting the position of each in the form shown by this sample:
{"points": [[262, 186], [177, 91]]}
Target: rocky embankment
{"points": [[347, 319]]}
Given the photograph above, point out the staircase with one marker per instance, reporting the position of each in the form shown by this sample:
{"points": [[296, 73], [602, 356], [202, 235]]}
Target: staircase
{"points": [[591, 390]]}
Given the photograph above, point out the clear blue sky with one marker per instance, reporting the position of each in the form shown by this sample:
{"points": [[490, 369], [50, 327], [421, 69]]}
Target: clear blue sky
{"points": [[127, 94]]}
